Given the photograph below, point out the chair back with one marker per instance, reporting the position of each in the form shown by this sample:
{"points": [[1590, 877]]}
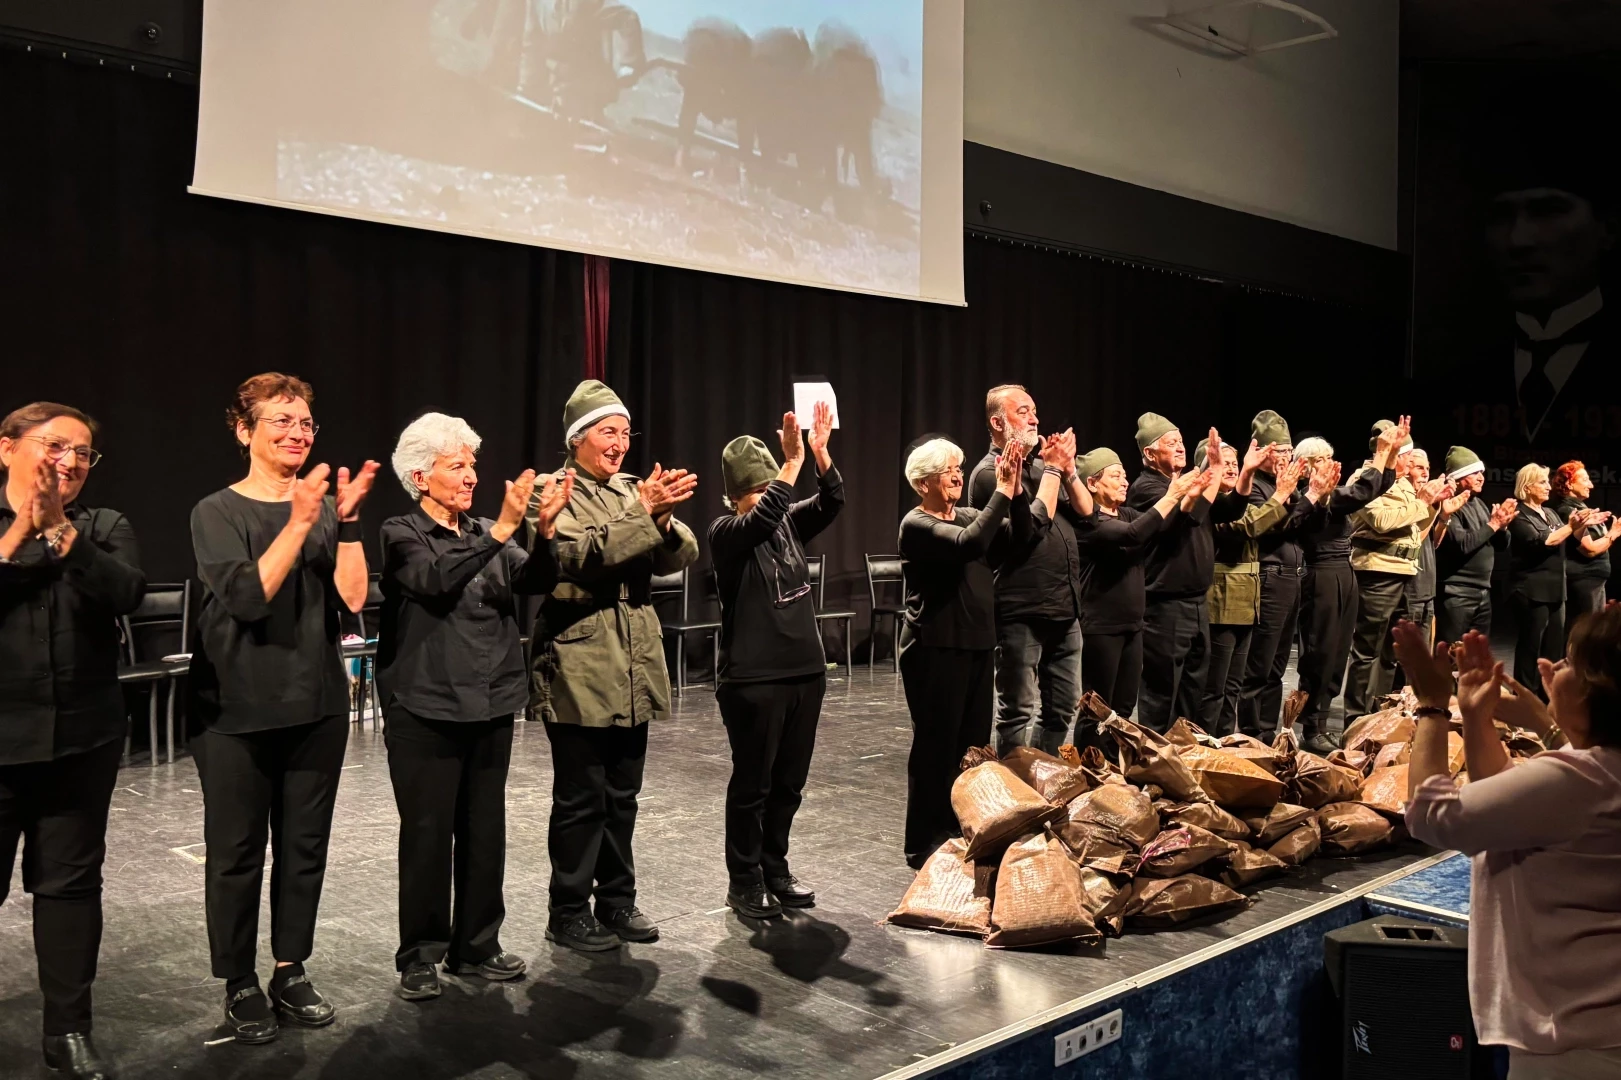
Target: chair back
{"points": [[670, 585], [885, 571], [813, 563], [368, 621], [161, 626]]}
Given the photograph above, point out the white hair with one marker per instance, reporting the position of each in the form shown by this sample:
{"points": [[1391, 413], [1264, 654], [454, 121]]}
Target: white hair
{"points": [[931, 459], [1313, 448], [424, 441]]}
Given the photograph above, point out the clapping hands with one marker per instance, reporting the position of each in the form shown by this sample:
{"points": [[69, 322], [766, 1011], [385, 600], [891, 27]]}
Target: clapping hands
{"points": [[663, 491], [1010, 468]]}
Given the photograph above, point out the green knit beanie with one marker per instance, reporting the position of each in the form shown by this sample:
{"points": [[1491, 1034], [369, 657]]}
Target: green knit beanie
{"points": [[745, 464], [590, 402], [1268, 428], [1151, 427], [1462, 461], [1093, 462]]}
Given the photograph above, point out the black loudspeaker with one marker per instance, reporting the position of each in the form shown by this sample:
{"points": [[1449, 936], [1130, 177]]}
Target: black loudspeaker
{"points": [[1403, 990]]}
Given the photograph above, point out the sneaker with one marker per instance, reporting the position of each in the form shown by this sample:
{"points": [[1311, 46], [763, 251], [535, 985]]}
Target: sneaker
{"points": [[249, 1016], [584, 933], [498, 968], [419, 982], [753, 902], [629, 923], [790, 891]]}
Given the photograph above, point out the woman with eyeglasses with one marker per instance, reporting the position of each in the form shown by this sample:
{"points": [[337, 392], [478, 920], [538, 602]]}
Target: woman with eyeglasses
{"points": [[278, 560], [773, 672], [67, 572]]}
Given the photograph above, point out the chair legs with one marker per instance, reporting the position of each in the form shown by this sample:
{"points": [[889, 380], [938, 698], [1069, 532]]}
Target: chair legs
{"points": [[895, 651], [152, 724], [168, 742], [714, 658]]}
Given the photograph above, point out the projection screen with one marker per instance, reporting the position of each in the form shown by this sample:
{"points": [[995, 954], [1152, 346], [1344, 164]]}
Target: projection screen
{"points": [[810, 141]]}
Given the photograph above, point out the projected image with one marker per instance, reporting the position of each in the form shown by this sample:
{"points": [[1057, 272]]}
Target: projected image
{"points": [[783, 138]]}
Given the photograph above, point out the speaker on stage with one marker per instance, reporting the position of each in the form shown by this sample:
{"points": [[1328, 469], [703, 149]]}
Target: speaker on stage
{"points": [[1403, 993]]}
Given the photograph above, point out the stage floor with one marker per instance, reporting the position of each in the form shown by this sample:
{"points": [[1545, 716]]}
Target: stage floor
{"points": [[829, 993]]}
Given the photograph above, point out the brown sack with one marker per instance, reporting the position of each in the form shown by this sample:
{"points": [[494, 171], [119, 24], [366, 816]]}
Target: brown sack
{"points": [[1229, 780], [948, 894], [1281, 820], [1105, 855], [1350, 827], [1105, 896], [1252, 750], [1393, 754], [1205, 815], [1146, 758], [1355, 760], [1114, 812], [1455, 755], [1316, 783], [1293, 706], [1299, 845], [1244, 866], [1386, 790], [1039, 897], [1180, 850], [1185, 732], [1370, 732], [1053, 780], [1157, 903], [1524, 743], [993, 807]]}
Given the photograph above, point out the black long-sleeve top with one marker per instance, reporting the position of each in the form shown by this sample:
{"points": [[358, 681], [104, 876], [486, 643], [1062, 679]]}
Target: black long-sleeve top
{"points": [[1041, 579], [948, 569], [1468, 550], [59, 691], [259, 663], [1536, 569], [1181, 561], [1578, 563], [449, 644], [1113, 595], [1325, 534], [767, 614]]}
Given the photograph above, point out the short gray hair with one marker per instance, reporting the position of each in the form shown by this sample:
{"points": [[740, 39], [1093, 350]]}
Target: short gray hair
{"points": [[424, 441], [931, 459], [1313, 448]]}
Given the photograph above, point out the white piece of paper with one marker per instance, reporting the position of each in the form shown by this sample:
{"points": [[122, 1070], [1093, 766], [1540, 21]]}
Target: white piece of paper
{"points": [[806, 395]]}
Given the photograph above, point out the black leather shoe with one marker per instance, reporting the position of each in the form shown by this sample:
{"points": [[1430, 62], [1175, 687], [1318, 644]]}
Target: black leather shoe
{"points": [[629, 923], [75, 1055], [584, 933], [298, 1000], [498, 968], [249, 1016], [419, 982], [753, 902], [790, 891]]}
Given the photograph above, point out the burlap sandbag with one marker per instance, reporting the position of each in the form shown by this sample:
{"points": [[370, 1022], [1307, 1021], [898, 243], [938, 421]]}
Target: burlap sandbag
{"points": [[994, 807], [1146, 758], [1051, 778], [1039, 897], [1157, 903], [1455, 753], [1386, 790], [1350, 827], [1229, 780], [1180, 850], [1370, 732], [1252, 750], [1106, 896], [1392, 754], [1118, 813], [948, 894], [1355, 760], [1207, 816], [1094, 763], [1105, 854], [1278, 822], [1316, 783], [1299, 844], [1243, 866], [1185, 732]]}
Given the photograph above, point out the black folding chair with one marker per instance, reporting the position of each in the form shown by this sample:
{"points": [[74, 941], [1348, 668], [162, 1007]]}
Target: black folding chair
{"points": [[160, 627], [364, 625], [819, 587], [675, 585], [884, 572]]}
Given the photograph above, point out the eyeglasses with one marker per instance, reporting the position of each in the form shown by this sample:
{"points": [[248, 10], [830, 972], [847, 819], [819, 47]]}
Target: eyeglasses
{"points": [[797, 593], [285, 424], [57, 449]]}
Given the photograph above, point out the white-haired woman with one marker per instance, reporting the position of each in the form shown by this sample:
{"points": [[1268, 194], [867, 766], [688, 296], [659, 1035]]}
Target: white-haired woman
{"points": [[949, 633], [1536, 577], [451, 677]]}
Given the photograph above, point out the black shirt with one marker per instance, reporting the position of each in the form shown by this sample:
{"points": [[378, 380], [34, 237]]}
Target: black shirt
{"points": [[1041, 579], [767, 613], [1468, 550], [59, 691], [1421, 586], [1181, 560], [950, 586], [1536, 571], [1325, 534], [260, 664], [1112, 591], [449, 645], [1578, 563]]}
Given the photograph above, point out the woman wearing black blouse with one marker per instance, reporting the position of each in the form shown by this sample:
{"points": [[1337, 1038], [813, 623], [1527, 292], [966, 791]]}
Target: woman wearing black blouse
{"points": [[269, 696], [451, 678], [1536, 583], [66, 573], [949, 633], [1587, 552]]}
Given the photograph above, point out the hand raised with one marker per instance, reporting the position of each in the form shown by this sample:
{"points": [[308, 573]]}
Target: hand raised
{"points": [[1058, 451], [46, 490], [1504, 512], [1010, 468], [554, 495], [1255, 456], [1521, 708], [1189, 483], [1212, 449], [308, 493], [662, 491], [821, 427], [1325, 477], [515, 503], [1457, 502], [793, 444], [1434, 491], [1429, 671], [1393, 438], [1289, 478], [352, 491]]}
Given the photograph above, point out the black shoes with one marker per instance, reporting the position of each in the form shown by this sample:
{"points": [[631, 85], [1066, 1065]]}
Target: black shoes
{"points": [[583, 932], [498, 968], [419, 982], [629, 924], [297, 1000], [753, 901], [790, 891], [249, 1016], [75, 1055]]}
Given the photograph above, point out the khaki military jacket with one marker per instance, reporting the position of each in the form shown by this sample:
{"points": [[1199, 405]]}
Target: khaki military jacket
{"points": [[1388, 534]]}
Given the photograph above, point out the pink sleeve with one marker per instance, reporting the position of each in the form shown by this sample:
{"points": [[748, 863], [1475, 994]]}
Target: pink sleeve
{"points": [[1540, 803]]}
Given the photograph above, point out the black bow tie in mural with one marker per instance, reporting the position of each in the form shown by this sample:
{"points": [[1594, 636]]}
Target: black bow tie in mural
{"points": [[1536, 389]]}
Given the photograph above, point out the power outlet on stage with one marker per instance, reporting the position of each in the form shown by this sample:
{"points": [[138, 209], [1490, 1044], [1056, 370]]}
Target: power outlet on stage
{"points": [[1080, 1041]]}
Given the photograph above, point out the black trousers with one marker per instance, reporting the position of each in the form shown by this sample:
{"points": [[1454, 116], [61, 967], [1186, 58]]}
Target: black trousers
{"points": [[1381, 601], [951, 696], [1460, 609], [1112, 668], [1261, 700], [1229, 652], [450, 785], [1327, 619], [772, 730], [1176, 658], [58, 810], [1583, 596], [596, 776], [277, 785], [1539, 633]]}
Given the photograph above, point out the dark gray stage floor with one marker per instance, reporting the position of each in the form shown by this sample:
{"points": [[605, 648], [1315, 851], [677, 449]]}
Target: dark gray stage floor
{"points": [[832, 993]]}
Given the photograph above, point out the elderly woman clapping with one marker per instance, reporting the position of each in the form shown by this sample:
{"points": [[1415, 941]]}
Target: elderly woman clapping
{"points": [[451, 676], [947, 556]]}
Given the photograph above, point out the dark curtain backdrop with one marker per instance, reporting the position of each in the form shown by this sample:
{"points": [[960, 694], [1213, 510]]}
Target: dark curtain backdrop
{"points": [[145, 305]]}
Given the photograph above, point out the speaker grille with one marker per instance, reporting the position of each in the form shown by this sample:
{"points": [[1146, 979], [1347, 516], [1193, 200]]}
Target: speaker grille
{"points": [[1406, 1014]]}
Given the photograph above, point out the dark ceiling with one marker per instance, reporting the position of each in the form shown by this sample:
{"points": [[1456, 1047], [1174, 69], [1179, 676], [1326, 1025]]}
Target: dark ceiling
{"points": [[1506, 29]]}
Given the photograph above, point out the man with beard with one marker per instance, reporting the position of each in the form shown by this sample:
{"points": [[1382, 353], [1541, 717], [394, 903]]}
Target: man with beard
{"points": [[1467, 549]]}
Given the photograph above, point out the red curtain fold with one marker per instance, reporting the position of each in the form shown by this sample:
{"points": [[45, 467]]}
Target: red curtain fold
{"points": [[596, 317]]}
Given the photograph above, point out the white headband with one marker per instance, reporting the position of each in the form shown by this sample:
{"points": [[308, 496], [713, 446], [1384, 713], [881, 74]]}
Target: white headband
{"points": [[1468, 470], [592, 417]]}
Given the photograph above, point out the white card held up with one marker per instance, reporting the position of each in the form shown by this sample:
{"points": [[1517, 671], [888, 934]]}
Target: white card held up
{"points": [[806, 395]]}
